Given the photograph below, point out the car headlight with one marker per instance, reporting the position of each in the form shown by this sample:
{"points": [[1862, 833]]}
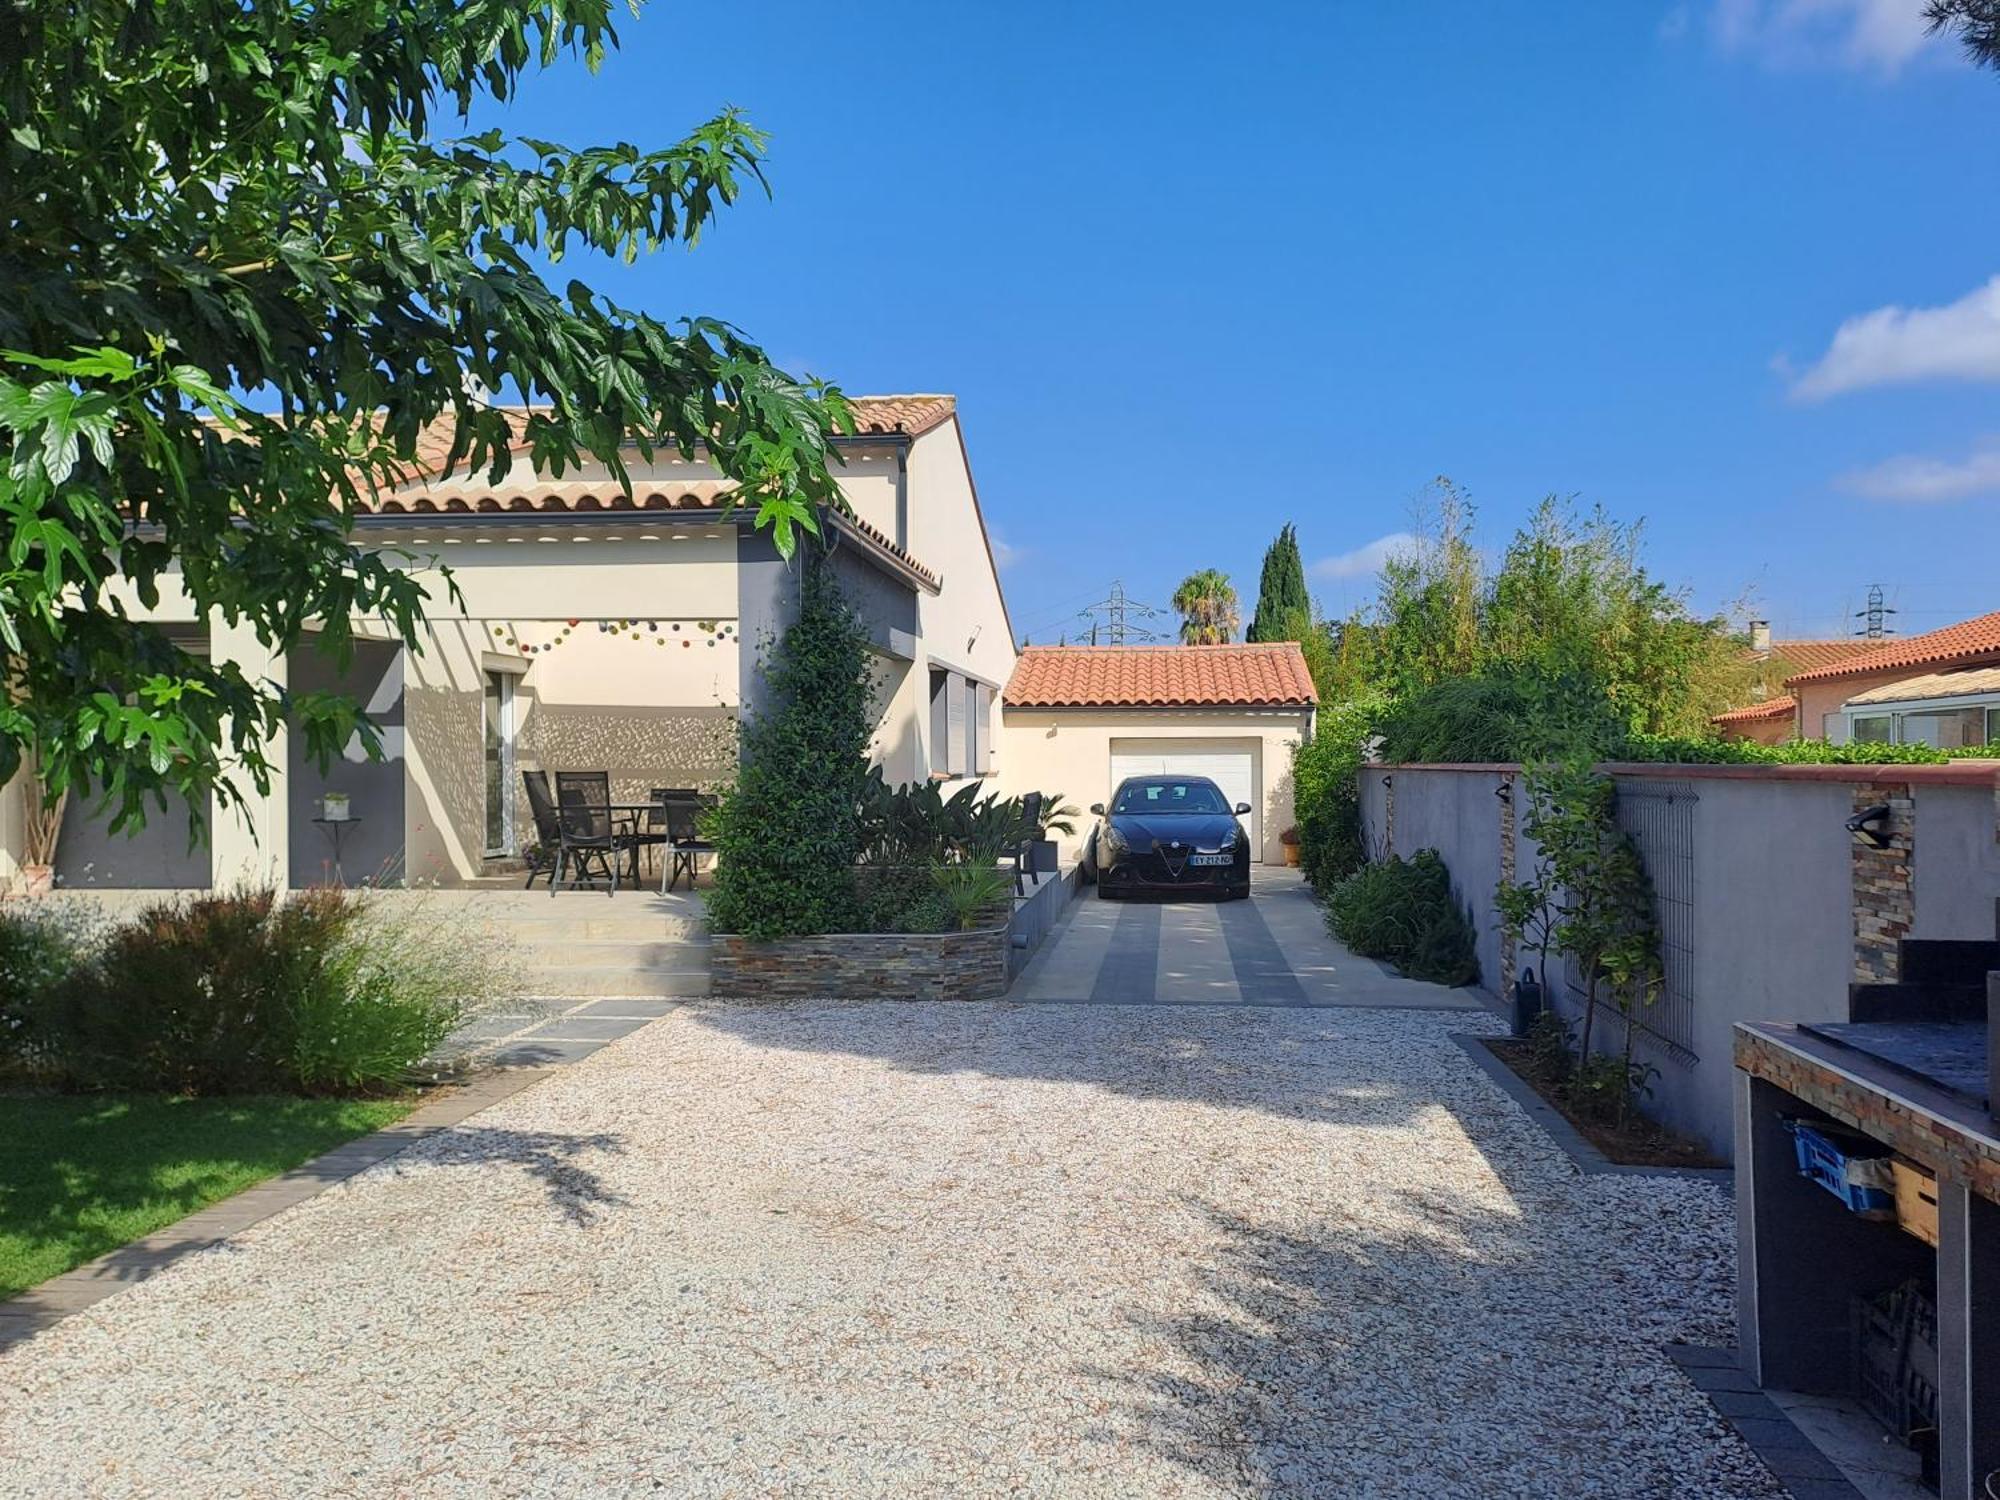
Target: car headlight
{"points": [[1111, 841]]}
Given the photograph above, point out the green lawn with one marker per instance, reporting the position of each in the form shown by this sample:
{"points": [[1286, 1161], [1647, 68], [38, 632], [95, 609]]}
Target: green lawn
{"points": [[80, 1175]]}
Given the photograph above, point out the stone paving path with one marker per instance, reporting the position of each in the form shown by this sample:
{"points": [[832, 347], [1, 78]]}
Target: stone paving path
{"points": [[1246, 1249]]}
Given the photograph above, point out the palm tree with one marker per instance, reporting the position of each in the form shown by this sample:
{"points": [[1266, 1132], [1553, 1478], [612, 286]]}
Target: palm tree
{"points": [[1207, 607]]}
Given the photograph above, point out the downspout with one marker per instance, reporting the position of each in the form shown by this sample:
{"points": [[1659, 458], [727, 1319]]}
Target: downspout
{"points": [[903, 496]]}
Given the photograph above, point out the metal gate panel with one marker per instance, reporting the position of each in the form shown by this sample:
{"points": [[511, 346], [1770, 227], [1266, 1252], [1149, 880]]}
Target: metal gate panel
{"points": [[1659, 816]]}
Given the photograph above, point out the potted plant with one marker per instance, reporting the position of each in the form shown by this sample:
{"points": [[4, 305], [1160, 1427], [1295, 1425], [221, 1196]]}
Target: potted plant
{"points": [[41, 826], [1289, 842], [1057, 816]]}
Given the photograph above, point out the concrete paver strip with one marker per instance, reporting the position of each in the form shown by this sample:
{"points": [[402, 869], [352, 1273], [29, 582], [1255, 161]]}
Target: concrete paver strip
{"points": [[916, 1249], [1273, 949]]}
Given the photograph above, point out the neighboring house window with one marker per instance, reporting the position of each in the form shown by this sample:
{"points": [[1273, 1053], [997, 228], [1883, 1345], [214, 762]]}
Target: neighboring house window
{"points": [[1833, 728], [1945, 729], [499, 736], [1874, 729], [1993, 726]]}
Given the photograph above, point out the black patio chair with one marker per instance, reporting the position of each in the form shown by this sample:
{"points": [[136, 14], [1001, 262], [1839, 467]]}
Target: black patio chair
{"points": [[548, 827], [1022, 851], [684, 836], [650, 830], [583, 807]]}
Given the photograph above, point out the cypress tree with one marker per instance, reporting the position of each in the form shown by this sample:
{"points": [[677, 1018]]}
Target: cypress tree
{"points": [[1282, 600]]}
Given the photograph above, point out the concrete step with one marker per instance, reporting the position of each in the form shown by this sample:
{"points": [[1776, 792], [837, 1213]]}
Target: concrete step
{"points": [[612, 979], [530, 930], [564, 950]]}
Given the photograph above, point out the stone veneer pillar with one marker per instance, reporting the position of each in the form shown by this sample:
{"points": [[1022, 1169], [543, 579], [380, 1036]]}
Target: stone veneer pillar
{"points": [[1884, 908]]}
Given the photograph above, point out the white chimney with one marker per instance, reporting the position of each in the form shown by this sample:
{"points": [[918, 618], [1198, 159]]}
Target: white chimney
{"points": [[1760, 635]]}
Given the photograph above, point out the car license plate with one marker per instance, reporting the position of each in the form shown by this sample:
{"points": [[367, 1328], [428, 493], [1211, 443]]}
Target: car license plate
{"points": [[1211, 859]]}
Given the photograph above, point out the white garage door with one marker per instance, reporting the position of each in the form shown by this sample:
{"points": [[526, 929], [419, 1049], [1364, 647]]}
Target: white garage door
{"points": [[1231, 766]]}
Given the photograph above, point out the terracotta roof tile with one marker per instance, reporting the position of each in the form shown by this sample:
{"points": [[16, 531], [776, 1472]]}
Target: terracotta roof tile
{"points": [[914, 415], [1961, 642], [1773, 708], [1809, 656], [873, 415], [462, 493], [1271, 676], [587, 497]]}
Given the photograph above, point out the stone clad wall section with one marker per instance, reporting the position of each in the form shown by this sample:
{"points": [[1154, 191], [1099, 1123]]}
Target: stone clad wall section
{"points": [[863, 966]]}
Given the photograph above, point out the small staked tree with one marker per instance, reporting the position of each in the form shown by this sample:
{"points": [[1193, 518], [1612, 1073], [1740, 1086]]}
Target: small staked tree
{"points": [[245, 264], [1206, 603], [1589, 899], [1283, 605]]}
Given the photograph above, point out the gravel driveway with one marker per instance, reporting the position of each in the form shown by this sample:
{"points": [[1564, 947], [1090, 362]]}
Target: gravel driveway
{"points": [[930, 1249]]}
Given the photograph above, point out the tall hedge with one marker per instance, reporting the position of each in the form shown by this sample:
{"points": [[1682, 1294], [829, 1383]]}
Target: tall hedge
{"points": [[788, 834]]}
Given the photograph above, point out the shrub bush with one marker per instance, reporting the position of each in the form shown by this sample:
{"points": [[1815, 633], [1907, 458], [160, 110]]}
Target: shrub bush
{"points": [[898, 898], [244, 993], [1326, 792], [788, 834], [1673, 749], [1502, 714], [41, 945], [1404, 912]]}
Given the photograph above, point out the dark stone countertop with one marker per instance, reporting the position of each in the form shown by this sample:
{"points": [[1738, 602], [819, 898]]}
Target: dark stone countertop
{"points": [[1950, 1055]]}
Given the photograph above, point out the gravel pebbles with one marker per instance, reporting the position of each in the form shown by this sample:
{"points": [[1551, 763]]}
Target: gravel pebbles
{"points": [[911, 1250]]}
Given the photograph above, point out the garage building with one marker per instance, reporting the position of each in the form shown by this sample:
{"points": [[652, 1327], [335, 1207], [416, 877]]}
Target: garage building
{"points": [[1079, 719]]}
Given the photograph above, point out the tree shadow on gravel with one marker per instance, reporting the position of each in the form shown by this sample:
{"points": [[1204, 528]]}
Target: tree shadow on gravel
{"points": [[1331, 1066], [551, 1157], [1432, 1347]]}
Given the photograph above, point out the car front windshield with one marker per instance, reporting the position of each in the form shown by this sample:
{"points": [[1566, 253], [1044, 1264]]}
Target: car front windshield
{"points": [[1169, 797]]}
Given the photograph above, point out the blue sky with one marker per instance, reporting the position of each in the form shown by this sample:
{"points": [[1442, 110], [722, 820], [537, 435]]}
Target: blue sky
{"points": [[1195, 271]]}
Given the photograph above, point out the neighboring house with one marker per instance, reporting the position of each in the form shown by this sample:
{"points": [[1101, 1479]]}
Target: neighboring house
{"points": [[1771, 717], [596, 630], [1079, 719], [1945, 710], [1844, 700]]}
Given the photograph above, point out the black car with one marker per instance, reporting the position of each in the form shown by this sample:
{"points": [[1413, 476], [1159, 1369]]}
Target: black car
{"points": [[1169, 833]]}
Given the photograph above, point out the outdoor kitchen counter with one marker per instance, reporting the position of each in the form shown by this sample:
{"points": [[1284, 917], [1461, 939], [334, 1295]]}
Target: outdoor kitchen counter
{"points": [[1803, 1258]]}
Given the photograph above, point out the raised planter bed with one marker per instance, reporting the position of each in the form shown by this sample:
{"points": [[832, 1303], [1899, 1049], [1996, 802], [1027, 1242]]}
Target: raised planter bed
{"points": [[863, 966]]}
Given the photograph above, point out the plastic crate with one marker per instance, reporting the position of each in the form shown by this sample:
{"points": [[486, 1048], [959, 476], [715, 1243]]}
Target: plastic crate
{"points": [[1834, 1155], [1896, 1361], [1916, 1201]]}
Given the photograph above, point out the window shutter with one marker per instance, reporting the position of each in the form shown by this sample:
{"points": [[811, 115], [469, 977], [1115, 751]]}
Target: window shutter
{"points": [[940, 720], [982, 716], [955, 744]]}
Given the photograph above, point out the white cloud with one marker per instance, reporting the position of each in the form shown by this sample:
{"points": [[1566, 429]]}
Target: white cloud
{"points": [[1916, 479], [1366, 561], [1878, 36], [1005, 554], [1894, 345]]}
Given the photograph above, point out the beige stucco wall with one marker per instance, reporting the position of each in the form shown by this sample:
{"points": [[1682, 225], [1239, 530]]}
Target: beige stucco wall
{"points": [[964, 625], [1068, 750], [649, 712]]}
